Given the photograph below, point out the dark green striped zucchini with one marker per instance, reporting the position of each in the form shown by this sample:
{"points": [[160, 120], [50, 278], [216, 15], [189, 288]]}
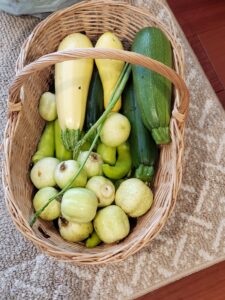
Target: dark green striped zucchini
{"points": [[144, 151], [95, 102], [153, 91]]}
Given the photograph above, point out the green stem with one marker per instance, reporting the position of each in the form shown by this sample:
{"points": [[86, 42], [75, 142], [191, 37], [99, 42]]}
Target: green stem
{"points": [[37, 214], [113, 100]]}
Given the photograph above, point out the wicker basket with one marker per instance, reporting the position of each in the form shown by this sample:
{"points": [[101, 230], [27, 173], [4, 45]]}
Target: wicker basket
{"points": [[24, 126]]}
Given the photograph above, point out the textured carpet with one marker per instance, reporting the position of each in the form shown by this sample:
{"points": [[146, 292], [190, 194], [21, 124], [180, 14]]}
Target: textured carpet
{"points": [[193, 237]]}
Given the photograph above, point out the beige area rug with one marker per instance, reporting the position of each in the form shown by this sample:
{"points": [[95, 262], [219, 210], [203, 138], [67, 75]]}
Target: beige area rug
{"points": [[192, 239]]}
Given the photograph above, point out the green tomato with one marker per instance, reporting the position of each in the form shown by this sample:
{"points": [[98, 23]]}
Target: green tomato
{"points": [[43, 172], [103, 189], [93, 165], [52, 211], [74, 232], [115, 130], [65, 171], [111, 224], [47, 106], [79, 205], [134, 197]]}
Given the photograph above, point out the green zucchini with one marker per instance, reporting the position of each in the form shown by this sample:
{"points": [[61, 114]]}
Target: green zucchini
{"points": [[144, 151], [153, 91], [95, 101]]}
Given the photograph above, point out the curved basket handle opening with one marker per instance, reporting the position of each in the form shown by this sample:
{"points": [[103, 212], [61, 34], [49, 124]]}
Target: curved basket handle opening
{"points": [[103, 53]]}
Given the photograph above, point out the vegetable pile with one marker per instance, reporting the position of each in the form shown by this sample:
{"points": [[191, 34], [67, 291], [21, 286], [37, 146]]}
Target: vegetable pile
{"points": [[97, 155]]}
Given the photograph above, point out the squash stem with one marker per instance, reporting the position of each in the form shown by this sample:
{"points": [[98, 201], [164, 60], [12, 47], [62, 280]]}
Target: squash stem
{"points": [[70, 137], [161, 135]]}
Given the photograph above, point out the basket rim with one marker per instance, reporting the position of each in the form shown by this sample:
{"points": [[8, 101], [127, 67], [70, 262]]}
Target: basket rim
{"points": [[12, 207], [123, 3]]}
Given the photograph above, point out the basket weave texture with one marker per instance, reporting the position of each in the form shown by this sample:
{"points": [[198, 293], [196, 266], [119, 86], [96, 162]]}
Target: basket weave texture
{"points": [[34, 76]]}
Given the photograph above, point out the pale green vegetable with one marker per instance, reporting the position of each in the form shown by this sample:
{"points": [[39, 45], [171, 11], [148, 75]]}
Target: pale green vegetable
{"points": [[74, 232], [107, 153], [47, 107], [111, 224], [134, 197], [93, 165], [65, 171], [79, 205], [43, 172], [103, 189], [52, 211], [93, 240], [115, 130], [46, 145]]}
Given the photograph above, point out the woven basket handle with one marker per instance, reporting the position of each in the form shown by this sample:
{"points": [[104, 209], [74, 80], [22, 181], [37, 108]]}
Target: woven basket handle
{"points": [[179, 113]]}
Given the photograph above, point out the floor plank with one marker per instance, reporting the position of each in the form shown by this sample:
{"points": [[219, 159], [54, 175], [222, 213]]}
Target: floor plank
{"points": [[203, 22], [213, 42], [206, 63], [221, 96], [204, 285], [203, 15]]}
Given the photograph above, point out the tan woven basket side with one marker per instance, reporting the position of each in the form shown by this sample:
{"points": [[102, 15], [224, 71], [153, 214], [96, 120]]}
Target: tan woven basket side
{"points": [[25, 123]]}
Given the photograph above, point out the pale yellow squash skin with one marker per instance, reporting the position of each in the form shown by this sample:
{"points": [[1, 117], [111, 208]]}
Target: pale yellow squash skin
{"points": [[109, 69], [72, 80]]}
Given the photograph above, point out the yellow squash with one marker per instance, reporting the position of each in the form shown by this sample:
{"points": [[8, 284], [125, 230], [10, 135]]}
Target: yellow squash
{"points": [[109, 69], [72, 80]]}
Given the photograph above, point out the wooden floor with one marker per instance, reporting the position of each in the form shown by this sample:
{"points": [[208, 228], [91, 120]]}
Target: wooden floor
{"points": [[208, 284], [203, 22]]}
